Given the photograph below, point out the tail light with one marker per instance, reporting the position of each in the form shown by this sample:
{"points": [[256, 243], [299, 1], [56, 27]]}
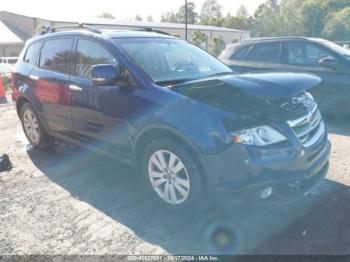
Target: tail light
{"points": [[13, 87]]}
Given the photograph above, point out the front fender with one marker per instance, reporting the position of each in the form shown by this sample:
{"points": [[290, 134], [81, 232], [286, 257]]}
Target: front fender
{"points": [[200, 125]]}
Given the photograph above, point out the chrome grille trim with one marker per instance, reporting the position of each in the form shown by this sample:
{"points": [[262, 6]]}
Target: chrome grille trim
{"points": [[309, 128]]}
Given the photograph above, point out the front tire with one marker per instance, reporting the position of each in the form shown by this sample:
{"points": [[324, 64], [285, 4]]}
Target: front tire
{"points": [[171, 172], [32, 127]]}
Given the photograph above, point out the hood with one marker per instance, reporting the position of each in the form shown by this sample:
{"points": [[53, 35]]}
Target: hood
{"points": [[267, 96], [274, 85]]}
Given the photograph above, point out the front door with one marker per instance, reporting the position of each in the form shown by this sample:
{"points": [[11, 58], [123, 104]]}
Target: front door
{"points": [[98, 112], [333, 94], [261, 58]]}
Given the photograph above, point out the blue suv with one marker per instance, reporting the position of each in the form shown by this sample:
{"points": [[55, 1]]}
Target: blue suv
{"points": [[158, 102]]}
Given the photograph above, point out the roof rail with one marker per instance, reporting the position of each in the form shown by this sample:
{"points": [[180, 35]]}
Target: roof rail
{"points": [[149, 29], [49, 29]]}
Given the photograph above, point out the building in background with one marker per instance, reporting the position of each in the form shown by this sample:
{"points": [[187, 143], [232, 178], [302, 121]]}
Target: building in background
{"points": [[15, 29]]}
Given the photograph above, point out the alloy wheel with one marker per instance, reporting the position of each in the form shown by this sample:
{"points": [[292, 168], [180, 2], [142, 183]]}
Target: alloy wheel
{"points": [[31, 126], [169, 176]]}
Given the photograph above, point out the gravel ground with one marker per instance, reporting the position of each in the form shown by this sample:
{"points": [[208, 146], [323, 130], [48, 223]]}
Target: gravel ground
{"points": [[69, 201]]}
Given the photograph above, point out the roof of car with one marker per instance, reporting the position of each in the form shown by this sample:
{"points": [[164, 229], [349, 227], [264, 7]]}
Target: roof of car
{"points": [[123, 34], [103, 33], [286, 38]]}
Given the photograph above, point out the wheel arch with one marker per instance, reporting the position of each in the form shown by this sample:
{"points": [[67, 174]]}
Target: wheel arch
{"points": [[153, 133], [23, 100], [20, 102]]}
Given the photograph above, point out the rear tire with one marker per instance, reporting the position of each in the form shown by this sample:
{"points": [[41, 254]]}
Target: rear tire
{"points": [[171, 172], [33, 129]]}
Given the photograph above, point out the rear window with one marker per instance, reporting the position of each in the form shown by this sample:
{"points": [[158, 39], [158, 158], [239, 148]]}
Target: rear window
{"points": [[240, 53], [268, 53], [56, 55], [32, 53]]}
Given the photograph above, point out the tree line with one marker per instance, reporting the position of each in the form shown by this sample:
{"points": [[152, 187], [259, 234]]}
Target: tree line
{"points": [[314, 18], [328, 19]]}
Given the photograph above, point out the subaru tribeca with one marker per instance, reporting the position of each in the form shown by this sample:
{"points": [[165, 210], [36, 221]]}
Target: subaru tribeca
{"points": [[154, 101]]}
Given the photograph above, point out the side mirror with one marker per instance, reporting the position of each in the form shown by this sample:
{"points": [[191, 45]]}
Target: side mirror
{"points": [[329, 62], [104, 74]]}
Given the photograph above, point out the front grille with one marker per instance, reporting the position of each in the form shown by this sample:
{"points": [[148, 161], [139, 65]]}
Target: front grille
{"points": [[308, 129]]}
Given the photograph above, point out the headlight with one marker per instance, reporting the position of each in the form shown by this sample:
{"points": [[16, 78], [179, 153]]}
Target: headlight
{"points": [[258, 136]]}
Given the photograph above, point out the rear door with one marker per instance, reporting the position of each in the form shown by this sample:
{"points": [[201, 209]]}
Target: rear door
{"points": [[333, 94], [98, 112], [51, 79], [264, 57], [22, 70]]}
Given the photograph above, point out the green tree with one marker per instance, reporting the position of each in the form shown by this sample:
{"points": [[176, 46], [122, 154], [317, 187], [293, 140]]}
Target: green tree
{"points": [[106, 15], [169, 17], [237, 22], [6, 81], [211, 13], [290, 18], [338, 26], [191, 14], [216, 45], [317, 13], [267, 19], [198, 38], [149, 18], [242, 12], [317, 18], [138, 18]]}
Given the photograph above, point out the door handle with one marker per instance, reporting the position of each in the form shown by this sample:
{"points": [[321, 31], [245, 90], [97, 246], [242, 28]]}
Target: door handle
{"points": [[33, 77], [75, 88]]}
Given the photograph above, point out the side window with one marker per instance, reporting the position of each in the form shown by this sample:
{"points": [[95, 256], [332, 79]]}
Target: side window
{"points": [[56, 54], [240, 53], [306, 54], [32, 53], [315, 53], [268, 53], [296, 54], [89, 54]]}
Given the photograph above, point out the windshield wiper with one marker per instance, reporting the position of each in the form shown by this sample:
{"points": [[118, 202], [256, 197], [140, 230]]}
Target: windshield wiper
{"points": [[221, 74], [172, 82]]}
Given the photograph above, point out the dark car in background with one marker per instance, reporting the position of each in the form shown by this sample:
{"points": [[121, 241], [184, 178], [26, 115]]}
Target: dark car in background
{"points": [[323, 58], [158, 102]]}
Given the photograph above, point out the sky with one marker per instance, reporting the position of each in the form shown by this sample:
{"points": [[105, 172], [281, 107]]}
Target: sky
{"points": [[122, 10]]}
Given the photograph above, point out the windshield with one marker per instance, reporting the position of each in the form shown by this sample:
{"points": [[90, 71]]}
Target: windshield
{"points": [[337, 48], [171, 60]]}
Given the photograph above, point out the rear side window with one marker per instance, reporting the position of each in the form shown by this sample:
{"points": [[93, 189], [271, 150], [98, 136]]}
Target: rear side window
{"points": [[90, 53], [56, 54], [32, 53], [268, 53], [296, 54], [240, 53]]}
